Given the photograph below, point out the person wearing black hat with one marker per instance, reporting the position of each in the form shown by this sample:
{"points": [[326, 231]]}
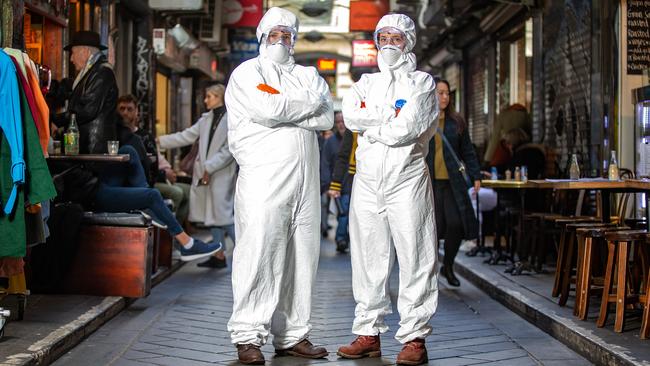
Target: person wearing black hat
{"points": [[94, 94]]}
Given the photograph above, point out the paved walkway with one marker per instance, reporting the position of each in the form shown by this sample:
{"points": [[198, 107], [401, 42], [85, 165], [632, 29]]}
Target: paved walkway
{"points": [[183, 322]]}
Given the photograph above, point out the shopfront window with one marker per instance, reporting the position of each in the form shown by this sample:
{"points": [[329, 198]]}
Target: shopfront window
{"points": [[514, 68]]}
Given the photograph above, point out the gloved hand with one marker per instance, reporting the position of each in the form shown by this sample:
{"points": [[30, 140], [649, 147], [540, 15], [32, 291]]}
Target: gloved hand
{"points": [[323, 107]]}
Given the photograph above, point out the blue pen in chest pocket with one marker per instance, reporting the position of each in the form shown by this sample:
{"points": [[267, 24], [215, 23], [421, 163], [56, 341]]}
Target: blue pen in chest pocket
{"points": [[398, 106]]}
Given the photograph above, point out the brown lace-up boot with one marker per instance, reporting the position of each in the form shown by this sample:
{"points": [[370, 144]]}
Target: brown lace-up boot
{"points": [[362, 346], [250, 354], [413, 353], [304, 349]]}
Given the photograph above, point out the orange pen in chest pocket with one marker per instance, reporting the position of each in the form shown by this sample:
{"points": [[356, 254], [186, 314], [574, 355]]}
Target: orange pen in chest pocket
{"points": [[267, 89]]}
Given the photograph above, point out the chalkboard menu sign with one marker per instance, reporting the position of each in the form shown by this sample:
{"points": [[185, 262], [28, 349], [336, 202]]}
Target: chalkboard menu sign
{"points": [[638, 36]]}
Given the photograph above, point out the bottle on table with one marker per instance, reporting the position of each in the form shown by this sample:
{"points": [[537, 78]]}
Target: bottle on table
{"points": [[574, 168], [494, 175], [517, 174], [613, 167], [508, 174], [524, 173], [71, 137]]}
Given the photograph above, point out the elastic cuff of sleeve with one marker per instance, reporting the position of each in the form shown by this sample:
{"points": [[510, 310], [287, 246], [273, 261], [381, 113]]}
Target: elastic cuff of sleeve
{"points": [[335, 186], [18, 172]]}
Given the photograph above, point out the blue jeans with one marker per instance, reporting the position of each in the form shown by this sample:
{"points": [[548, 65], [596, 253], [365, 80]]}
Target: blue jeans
{"points": [[113, 196], [219, 233], [342, 232]]}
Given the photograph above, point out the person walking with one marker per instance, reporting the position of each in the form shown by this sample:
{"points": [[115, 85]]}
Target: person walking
{"points": [[395, 113], [275, 109], [328, 161], [215, 171], [451, 146]]}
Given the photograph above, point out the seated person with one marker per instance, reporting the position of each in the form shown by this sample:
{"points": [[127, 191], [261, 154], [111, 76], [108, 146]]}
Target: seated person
{"points": [[124, 188], [525, 153]]}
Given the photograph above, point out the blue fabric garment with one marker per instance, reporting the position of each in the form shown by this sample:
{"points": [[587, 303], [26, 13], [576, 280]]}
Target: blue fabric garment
{"points": [[113, 196], [219, 233], [327, 160], [342, 232], [11, 124]]}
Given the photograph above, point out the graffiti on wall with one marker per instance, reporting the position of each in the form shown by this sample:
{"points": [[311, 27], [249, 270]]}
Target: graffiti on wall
{"points": [[142, 84], [567, 67]]}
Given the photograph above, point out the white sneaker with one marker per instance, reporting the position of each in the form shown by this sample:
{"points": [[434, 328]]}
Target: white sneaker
{"points": [[467, 245]]}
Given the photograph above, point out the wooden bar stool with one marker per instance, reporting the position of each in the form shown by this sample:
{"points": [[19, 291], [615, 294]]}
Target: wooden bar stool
{"points": [[565, 249], [590, 239], [645, 301], [569, 261], [618, 248]]}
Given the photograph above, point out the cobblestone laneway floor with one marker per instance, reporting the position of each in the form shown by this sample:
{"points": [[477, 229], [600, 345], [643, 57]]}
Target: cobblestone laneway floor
{"points": [[183, 322]]}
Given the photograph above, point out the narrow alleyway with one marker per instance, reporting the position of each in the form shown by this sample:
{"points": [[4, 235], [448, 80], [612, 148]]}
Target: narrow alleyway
{"points": [[183, 322]]}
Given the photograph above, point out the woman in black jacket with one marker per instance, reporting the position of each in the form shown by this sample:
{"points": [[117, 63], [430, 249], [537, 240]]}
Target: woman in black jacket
{"points": [[455, 217]]}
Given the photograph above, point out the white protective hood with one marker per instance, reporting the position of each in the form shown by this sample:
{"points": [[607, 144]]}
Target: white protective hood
{"points": [[272, 18], [406, 25]]}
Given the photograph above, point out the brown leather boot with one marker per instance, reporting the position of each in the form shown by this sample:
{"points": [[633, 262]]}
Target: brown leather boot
{"points": [[413, 353], [250, 354], [304, 349], [362, 346]]}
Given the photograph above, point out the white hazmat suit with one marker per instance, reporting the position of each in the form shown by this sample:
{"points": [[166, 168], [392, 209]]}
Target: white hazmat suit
{"points": [[277, 209], [392, 198]]}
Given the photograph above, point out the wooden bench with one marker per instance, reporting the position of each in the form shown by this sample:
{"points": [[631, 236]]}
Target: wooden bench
{"points": [[116, 256]]}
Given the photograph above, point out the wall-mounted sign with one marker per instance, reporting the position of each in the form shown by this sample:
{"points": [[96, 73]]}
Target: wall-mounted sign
{"points": [[326, 64], [364, 14], [242, 13], [364, 53], [638, 37], [176, 5], [243, 48], [158, 41]]}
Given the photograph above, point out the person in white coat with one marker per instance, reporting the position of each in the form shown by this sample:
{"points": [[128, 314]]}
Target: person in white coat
{"points": [[391, 209], [276, 108], [214, 172]]}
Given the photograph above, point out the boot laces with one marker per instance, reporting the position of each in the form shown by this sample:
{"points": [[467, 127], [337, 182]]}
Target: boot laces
{"points": [[414, 345], [364, 340]]}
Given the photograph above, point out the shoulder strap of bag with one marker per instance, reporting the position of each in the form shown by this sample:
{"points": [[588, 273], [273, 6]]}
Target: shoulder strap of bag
{"points": [[451, 149]]}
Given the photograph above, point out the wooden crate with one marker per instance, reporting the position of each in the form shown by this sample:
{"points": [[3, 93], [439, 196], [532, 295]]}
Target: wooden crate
{"points": [[112, 261]]}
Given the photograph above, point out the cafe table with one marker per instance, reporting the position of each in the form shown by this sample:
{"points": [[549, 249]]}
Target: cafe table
{"points": [[605, 186], [91, 158], [501, 185]]}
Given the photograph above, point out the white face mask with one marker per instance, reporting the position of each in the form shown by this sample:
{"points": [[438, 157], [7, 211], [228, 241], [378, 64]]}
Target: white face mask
{"points": [[278, 52], [390, 54]]}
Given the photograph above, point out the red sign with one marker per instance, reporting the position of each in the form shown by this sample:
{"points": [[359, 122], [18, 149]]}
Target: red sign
{"points": [[365, 14], [326, 64], [364, 53], [242, 13]]}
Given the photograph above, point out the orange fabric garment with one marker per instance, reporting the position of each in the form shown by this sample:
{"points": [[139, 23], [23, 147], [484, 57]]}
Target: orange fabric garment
{"points": [[43, 123], [267, 88], [11, 266]]}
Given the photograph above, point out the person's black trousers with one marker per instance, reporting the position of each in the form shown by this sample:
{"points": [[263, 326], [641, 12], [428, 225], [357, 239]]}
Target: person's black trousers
{"points": [[448, 223]]}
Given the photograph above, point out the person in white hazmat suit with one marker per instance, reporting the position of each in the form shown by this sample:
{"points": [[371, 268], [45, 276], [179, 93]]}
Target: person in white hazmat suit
{"points": [[395, 113], [275, 109]]}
